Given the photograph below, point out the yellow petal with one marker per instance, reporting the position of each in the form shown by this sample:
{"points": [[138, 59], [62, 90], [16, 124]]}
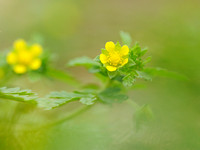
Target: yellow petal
{"points": [[103, 58], [25, 57], [11, 58], [111, 68], [124, 50], [20, 44], [35, 64], [36, 49], [125, 61], [110, 46], [19, 69]]}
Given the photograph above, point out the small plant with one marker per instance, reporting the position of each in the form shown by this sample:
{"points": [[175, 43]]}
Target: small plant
{"points": [[117, 67]]}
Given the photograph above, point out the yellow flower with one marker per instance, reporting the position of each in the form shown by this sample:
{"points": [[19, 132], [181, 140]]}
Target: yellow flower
{"points": [[20, 69], [114, 56], [24, 57], [35, 64], [36, 49], [11, 58], [19, 45]]}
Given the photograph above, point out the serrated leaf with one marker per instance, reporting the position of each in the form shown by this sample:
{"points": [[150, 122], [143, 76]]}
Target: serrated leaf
{"points": [[88, 97], [17, 94], [143, 51], [143, 75], [129, 80], [136, 48], [146, 60], [88, 100], [130, 63], [112, 95], [97, 58], [55, 99], [128, 68], [164, 73], [132, 55], [126, 38], [112, 74], [50, 103], [63, 95]]}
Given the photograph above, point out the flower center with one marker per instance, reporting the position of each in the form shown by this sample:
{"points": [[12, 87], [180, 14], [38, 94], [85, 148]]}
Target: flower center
{"points": [[25, 58], [114, 59]]}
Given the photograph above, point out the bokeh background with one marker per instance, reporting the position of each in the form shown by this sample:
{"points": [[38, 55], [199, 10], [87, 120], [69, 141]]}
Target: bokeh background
{"points": [[73, 28]]}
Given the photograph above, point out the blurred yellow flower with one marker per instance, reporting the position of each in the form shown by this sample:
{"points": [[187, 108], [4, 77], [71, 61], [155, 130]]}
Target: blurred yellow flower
{"points": [[24, 57], [114, 56]]}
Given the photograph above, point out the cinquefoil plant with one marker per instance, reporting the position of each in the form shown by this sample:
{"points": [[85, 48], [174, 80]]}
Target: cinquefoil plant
{"points": [[118, 66]]}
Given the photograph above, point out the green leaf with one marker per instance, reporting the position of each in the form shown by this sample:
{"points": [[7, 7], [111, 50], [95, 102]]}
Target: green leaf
{"points": [[88, 97], [164, 73], [130, 63], [83, 61], [102, 76], [88, 100], [132, 55], [61, 75], [63, 95], [94, 69], [112, 95], [142, 116], [147, 60], [128, 68], [117, 46], [56, 99], [129, 80], [126, 38], [112, 74], [136, 48], [143, 51], [97, 59], [143, 75], [18, 95], [104, 51]]}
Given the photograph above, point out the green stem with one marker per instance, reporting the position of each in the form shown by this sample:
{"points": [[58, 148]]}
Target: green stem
{"points": [[72, 115]]}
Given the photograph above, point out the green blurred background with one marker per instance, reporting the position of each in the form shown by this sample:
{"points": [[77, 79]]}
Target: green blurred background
{"points": [[73, 28]]}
